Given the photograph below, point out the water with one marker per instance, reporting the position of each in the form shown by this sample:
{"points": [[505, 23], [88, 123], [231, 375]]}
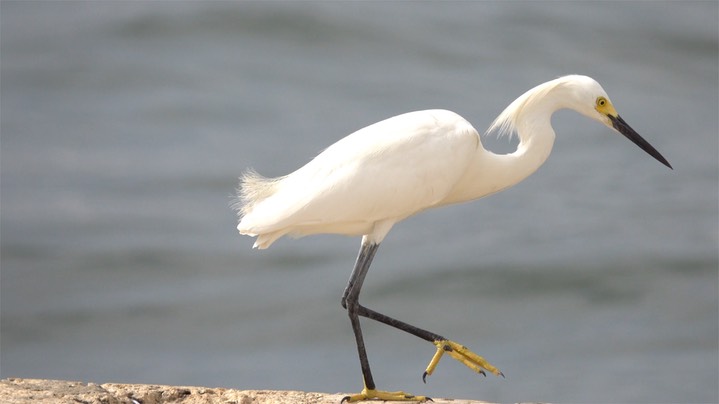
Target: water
{"points": [[125, 125]]}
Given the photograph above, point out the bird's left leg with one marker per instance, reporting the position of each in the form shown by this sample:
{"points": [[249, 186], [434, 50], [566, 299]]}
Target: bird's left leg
{"points": [[455, 350]]}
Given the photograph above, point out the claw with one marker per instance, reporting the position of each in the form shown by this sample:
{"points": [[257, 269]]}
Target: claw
{"points": [[462, 354], [368, 394]]}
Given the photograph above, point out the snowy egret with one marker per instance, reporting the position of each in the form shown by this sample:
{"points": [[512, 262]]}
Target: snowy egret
{"points": [[379, 175]]}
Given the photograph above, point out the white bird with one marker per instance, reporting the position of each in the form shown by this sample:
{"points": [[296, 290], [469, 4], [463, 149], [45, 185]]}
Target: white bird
{"points": [[379, 175]]}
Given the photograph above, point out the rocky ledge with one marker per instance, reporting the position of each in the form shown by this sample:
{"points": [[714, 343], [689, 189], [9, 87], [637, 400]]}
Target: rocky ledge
{"points": [[38, 391]]}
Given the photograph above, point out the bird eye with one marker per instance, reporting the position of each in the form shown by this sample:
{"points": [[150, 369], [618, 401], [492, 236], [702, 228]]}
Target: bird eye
{"points": [[601, 101]]}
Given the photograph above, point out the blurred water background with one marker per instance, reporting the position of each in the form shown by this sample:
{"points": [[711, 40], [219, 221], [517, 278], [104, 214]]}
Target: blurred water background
{"points": [[126, 124]]}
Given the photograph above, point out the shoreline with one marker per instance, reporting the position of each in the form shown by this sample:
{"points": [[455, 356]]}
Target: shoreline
{"points": [[43, 391]]}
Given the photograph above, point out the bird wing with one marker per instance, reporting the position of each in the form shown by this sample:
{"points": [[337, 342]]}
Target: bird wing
{"points": [[389, 170]]}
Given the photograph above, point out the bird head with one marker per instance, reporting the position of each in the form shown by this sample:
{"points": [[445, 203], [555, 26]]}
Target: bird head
{"points": [[590, 99], [580, 93]]}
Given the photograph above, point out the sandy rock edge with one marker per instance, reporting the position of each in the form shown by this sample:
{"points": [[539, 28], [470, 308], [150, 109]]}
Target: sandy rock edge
{"points": [[26, 391], [22, 391]]}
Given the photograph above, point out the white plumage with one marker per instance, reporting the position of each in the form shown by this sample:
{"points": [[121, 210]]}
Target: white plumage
{"points": [[381, 174], [385, 172]]}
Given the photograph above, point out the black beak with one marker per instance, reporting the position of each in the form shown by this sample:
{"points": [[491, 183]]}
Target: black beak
{"points": [[626, 130]]}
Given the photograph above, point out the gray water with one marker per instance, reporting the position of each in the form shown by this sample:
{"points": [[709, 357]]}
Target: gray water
{"points": [[125, 125]]}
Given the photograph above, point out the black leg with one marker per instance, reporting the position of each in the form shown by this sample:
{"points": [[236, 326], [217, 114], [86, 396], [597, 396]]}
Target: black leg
{"points": [[364, 259], [350, 301], [400, 325]]}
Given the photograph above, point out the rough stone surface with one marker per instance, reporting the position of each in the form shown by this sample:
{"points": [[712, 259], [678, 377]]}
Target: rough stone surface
{"points": [[25, 391]]}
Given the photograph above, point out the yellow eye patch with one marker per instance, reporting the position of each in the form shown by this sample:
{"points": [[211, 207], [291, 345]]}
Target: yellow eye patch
{"points": [[603, 106]]}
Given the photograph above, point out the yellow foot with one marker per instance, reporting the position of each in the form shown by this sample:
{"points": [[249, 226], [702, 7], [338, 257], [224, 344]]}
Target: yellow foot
{"points": [[368, 394], [462, 354]]}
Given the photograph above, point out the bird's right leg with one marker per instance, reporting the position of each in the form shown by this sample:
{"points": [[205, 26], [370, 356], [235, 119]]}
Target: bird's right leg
{"points": [[350, 301]]}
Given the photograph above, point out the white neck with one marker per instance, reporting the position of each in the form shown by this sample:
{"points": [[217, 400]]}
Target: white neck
{"points": [[490, 173]]}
